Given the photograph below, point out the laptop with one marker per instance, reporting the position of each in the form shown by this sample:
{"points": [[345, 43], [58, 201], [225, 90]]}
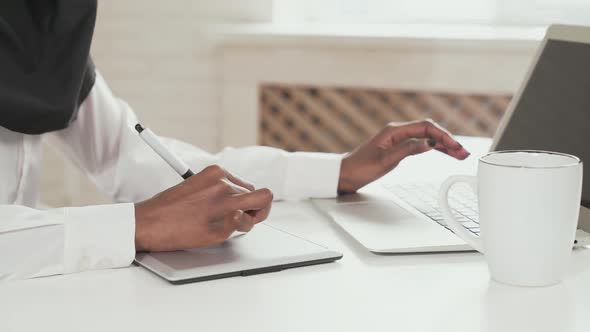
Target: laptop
{"points": [[264, 249], [550, 111]]}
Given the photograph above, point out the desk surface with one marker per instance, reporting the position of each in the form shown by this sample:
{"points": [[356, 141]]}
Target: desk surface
{"points": [[361, 292]]}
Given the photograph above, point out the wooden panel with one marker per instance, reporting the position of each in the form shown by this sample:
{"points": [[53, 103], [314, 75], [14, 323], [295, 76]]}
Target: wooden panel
{"points": [[333, 119]]}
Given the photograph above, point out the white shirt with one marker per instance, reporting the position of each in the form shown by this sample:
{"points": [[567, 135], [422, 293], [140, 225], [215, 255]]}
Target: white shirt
{"points": [[103, 143]]}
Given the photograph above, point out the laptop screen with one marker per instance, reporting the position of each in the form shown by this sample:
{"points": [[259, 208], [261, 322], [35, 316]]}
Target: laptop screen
{"points": [[553, 112]]}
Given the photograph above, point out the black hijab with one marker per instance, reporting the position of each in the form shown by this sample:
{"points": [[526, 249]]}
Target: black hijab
{"points": [[45, 68]]}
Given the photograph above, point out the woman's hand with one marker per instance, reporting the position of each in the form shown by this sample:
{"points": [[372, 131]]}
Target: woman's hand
{"points": [[201, 211], [384, 151]]}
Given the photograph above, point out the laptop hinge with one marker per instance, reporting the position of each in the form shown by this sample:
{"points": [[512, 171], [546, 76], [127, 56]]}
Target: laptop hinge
{"points": [[584, 219]]}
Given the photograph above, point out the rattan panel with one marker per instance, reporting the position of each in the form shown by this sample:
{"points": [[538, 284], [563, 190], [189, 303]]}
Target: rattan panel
{"points": [[332, 119]]}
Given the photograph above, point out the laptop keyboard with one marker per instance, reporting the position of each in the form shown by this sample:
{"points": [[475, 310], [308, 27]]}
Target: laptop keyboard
{"points": [[424, 197]]}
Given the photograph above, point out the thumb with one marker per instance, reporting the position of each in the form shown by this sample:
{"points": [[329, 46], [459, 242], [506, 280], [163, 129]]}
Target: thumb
{"points": [[408, 148]]}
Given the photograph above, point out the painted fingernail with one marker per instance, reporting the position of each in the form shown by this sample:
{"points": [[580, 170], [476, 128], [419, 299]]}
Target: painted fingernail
{"points": [[431, 142]]}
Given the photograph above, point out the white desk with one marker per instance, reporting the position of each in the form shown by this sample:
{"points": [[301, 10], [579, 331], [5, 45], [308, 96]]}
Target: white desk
{"points": [[362, 292]]}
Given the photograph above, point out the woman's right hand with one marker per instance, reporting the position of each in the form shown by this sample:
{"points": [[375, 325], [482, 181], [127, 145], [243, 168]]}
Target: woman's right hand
{"points": [[201, 211]]}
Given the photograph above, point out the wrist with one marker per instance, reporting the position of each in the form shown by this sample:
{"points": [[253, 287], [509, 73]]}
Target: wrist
{"points": [[142, 227], [345, 180]]}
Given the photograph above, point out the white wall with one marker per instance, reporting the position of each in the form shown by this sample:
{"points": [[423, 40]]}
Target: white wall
{"points": [[155, 55]]}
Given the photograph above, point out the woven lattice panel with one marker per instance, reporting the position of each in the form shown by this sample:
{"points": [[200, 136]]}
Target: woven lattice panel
{"points": [[327, 119]]}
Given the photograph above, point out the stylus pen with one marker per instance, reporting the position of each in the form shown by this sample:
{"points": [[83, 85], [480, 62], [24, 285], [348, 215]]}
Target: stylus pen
{"points": [[156, 144]]}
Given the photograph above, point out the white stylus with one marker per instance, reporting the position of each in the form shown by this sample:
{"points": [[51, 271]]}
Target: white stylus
{"points": [[156, 144]]}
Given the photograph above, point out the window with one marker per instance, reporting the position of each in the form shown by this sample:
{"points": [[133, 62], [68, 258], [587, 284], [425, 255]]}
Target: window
{"points": [[494, 12]]}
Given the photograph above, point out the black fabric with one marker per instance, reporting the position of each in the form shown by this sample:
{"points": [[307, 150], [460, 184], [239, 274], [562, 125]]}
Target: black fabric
{"points": [[45, 68]]}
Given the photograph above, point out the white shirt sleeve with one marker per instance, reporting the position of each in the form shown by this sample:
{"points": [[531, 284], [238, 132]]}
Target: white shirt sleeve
{"points": [[40, 243], [103, 143]]}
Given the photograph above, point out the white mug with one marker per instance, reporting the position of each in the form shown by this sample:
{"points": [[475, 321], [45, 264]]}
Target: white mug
{"points": [[528, 203]]}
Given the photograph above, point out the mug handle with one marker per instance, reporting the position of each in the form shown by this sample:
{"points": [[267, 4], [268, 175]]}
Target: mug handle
{"points": [[443, 202]]}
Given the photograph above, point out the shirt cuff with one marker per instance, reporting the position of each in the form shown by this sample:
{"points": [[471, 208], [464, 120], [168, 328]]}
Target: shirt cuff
{"points": [[312, 174], [99, 237]]}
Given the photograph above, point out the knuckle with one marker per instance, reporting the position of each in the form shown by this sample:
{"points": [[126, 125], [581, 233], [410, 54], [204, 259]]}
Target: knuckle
{"points": [[390, 128], [222, 187], [215, 170], [392, 125], [267, 194], [429, 125]]}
